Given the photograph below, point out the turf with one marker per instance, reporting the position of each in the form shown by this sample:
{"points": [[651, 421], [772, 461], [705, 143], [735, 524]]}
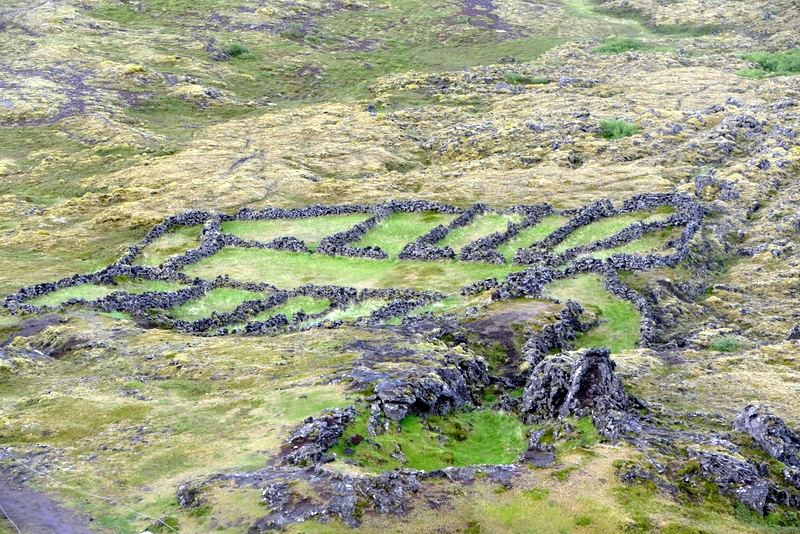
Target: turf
{"points": [[477, 437], [287, 270], [290, 307], [607, 227], [311, 230], [176, 241], [619, 320], [93, 292], [221, 300], [531, 235], [480, 227]]}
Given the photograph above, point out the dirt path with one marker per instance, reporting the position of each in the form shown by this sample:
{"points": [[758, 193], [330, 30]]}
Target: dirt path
{"points": [[34, 512]]}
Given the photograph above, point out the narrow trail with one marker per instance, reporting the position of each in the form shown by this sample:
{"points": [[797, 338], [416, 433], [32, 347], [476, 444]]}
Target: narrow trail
{"points": [[27, 511]]}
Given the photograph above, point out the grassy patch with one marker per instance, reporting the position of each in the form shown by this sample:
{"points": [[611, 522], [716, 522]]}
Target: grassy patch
{"points": [[361, 309], [605, 228], [479, 227], [515, 78], [617, 129], [775, 63], [531, 235], [219, 300], [289, 269], [726, 344], [311, 230], [177, 241], [619, 319], [651, 242], [618, 45], [399, 229], [478, 437], [290, 307]]}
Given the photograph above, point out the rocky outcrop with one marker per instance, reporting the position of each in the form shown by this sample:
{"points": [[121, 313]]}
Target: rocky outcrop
{"points": [[578, 384], [773, 437], [308, 442], [558, 335], [734, 477], [436, 392]]}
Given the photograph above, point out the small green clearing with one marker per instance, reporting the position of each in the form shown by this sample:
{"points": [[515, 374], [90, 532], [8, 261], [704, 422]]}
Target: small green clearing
{"points": [[311, 230], [784, 63], [458, 439], [620, 322], [360, 309], [399, 229], [308, 305], [220, 300], [287, 270], [481, 226], [93, 292], [177, 241], [83, 291], [527, 236], [605, 228], [651, 243]]}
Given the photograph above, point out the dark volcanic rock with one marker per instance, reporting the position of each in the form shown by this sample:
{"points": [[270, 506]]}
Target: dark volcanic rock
{"points": [[309, 441], [578, 384], [736, 478], [771, 434]]}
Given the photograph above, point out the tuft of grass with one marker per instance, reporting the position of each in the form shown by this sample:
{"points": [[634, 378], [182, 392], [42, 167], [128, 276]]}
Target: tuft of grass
{"points": [[726, 344], [236, 49], [784, 63], [310, 231], [651, 243], [515, 78], [617, 129], [618, 45]]}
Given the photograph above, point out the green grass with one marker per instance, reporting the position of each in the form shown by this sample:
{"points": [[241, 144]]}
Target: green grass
{"points": [[651, 243], [617, 129], [784, 63], [311, 230], [515, 78], [726, 344], [399, 229], [480, 226], [294, 305], [287, 270], [361, 309], [477, 437], [533, 234], [176, 241], [220, 300], [607, 227], [619, 319], [618, 45], [92, 291]]}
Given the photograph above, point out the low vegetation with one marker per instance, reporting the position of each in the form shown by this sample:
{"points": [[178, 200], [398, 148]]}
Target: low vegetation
{"points": [[617, 129]]}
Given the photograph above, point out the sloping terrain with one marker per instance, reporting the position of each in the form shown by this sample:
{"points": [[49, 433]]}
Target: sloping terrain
{"points": [[275, 262]]}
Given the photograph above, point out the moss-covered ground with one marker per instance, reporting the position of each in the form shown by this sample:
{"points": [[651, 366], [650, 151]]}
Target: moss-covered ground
{"points": [[115, 115]]}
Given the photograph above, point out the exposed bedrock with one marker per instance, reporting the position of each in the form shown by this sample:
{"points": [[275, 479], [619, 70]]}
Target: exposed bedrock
{"points": [[580, 383], [773, 436]]}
